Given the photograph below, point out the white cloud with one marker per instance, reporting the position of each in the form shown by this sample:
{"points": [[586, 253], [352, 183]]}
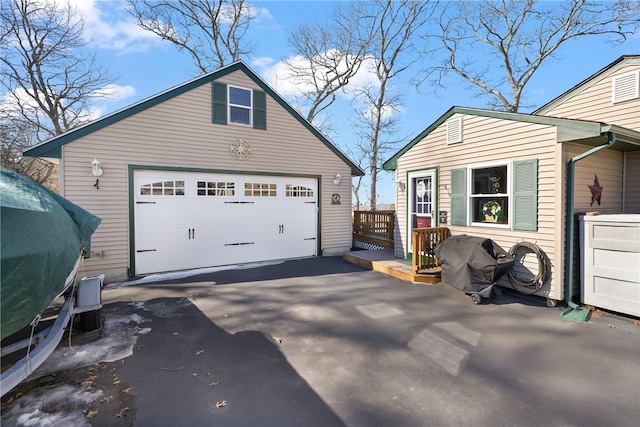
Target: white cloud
{"points": [[286, 83], [110, 27], [115, 92]]}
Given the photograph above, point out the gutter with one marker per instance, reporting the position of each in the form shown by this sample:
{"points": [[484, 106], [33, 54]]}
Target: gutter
{"points": [[575, 312]]}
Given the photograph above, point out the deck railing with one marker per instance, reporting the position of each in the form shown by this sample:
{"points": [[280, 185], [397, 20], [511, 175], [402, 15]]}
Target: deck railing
{"points": [[424, 240], [374, 227]]}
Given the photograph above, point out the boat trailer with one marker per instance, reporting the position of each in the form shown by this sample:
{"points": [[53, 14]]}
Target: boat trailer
{"points": [[86, 297]]}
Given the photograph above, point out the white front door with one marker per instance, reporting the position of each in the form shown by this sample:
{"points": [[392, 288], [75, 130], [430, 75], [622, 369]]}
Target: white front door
{"points": [[192, 220], [421, 203]]}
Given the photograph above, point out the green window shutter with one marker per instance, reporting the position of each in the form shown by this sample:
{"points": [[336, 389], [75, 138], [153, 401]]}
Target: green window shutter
{"points": [[525, 195], [259, 110], [459, 197], [220, 103]]}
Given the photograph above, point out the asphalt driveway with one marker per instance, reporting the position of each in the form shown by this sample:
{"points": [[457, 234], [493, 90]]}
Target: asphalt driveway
{"points": [[321, 342]]}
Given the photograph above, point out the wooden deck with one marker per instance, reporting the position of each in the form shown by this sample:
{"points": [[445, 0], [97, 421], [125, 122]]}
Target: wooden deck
{"points": [[385, 262]]}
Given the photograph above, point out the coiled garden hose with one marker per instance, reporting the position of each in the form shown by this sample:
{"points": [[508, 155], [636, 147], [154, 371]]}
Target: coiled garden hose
{"points": [[544, 267]]}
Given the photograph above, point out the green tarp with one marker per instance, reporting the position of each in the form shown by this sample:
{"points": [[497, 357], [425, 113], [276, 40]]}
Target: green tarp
{"points": [[42, 238]]}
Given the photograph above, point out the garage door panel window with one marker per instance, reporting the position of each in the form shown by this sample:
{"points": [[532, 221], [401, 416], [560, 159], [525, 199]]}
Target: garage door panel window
{"points": [[260, 189], [163, 188], [215, 188], [298, 191]]}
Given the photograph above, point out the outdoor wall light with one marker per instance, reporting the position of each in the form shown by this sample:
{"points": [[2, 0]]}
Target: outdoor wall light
{"points": [[401, 187], [96, 171], [95, 168], [336, 180]]}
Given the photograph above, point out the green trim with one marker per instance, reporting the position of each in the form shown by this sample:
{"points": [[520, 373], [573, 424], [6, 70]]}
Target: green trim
{"points": [[436, 192], [51, 147], [131, 169], [568, 129]]}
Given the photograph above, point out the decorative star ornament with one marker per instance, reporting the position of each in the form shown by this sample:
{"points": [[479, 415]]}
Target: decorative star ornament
{"points": [[596, 191]]}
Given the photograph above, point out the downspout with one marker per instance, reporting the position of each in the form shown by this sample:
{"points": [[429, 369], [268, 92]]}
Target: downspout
{"points": [[572, 312]]}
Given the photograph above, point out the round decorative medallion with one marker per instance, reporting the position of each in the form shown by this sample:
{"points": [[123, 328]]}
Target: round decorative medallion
{"points": [[240, 149], [335, 199]]}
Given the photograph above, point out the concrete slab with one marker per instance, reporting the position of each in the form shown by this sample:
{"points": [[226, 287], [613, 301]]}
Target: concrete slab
{"points": [[323, 342]]}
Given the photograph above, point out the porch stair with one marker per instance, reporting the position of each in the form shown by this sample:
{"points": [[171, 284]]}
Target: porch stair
{"points": [[384, 261]]}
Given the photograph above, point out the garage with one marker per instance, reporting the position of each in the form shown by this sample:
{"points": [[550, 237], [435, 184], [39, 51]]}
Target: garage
{"points": [[188, 220]]}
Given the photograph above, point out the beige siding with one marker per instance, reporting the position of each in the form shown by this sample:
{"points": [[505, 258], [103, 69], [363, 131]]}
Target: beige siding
{"points": [[607, 166], [632, 183], [489, 140], [594, 102], [179, 133]]}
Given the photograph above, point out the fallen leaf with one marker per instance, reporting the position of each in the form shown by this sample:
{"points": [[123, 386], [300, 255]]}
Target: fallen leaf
{"points": [[174, 334], [127, 390], [122, 413], [277, 339], [92, 378], [221, 404], [195, 374], [612, 326], [106, 399], [214, 384], [199, 352], [116, 382], [91, 413], [139, 348], [208, 374]]}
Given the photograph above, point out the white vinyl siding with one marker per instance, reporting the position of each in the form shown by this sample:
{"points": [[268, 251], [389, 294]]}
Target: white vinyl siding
{"points": [[179, 133]]}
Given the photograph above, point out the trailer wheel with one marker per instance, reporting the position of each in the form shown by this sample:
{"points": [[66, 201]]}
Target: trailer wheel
{"points": [[476, 299], [90, 320]]}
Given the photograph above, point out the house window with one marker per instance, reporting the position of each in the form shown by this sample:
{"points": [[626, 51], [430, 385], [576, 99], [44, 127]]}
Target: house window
{"points": [[240, 106], [489, 195], [233, 104], [163, 188]]}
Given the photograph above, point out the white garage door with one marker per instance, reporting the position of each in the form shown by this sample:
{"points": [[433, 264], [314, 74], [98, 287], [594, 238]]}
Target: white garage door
{"points": [[190, 220]]}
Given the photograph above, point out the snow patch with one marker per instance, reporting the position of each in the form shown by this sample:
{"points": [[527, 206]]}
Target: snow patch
{"points": [[188, 273]]}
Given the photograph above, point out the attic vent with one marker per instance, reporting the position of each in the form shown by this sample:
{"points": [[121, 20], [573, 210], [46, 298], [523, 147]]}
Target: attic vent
{"points": [[626, 86], [454, 130]]}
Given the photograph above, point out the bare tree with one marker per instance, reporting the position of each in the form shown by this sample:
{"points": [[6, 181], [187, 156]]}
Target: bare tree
{"points": [[48, 76], [392, 52], [16, 135], [497, 46], [327, 56], [212, 32]]}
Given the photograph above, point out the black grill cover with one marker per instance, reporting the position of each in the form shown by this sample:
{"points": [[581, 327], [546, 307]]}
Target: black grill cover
{"points": [[470, 263]]}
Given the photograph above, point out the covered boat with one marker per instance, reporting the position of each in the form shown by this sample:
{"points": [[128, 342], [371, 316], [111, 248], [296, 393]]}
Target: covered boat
{"points": [[43, 240]]}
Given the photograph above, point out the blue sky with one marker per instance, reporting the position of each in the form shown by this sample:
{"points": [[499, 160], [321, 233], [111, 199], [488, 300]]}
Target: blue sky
{"points": [[146, 66]]}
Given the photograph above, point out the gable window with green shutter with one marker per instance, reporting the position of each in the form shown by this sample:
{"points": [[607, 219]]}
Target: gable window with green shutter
{"points": [[239, 106], [500, 194]]}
